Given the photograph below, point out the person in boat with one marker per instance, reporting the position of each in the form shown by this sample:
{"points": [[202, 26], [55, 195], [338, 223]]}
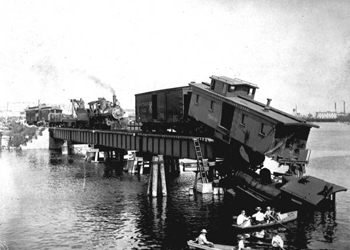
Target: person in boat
{"points": [[268, 214], [259, 217], [260, 234], [202, 239], [242, 219], [276, 242], [273, 213], [240, 243]]}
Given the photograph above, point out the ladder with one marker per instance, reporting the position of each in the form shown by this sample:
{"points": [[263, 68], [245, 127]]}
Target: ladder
{"points": [[200, 164]]}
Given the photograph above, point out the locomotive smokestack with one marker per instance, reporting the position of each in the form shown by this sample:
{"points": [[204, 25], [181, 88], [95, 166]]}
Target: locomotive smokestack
{"points": [[114, 100], [267, 106]]}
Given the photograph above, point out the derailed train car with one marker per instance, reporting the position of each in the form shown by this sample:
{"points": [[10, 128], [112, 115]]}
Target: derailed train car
{"points": [[247, 131], [226, 110], [228, 107]]}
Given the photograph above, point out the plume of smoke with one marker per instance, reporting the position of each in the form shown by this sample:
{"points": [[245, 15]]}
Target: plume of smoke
{"points": [[102, 84]]}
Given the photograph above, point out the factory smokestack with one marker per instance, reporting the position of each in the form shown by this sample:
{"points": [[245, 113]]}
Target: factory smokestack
{"points": [[335, 107], [344, 107]]}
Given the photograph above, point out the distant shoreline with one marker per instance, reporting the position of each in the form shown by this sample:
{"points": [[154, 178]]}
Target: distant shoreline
{"points": [[327, 120]]}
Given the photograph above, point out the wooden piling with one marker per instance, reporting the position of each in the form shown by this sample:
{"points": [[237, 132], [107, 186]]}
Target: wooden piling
{"points": [[65, 148], [162, 175], [131, 161], [140, 164], [130, 165], [149, 182], [97, 155], [154, 176]]}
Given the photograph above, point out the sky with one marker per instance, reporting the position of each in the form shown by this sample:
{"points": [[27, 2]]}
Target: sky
{"points": [[297, 52]]}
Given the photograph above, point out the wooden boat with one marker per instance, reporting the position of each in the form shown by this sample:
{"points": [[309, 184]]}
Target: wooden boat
{"points": [[193, 245], [285, 217], [257, 236]]}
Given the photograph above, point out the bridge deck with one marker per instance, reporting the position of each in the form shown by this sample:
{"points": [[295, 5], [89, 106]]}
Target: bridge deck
{"points": [[157, 144]]}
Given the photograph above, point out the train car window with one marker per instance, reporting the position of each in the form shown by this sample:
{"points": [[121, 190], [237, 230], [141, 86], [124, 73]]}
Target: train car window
{"points": [[212, 86], [231, 89], [243, 119], [262, 129], [187, 99], [250, 92], [197, 99], [211, 105]]}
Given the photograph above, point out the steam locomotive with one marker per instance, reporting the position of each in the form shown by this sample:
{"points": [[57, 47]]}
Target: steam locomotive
{"points": [[101, 114]]}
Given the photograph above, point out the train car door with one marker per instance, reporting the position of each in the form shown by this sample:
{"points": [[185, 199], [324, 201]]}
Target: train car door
{"points": [[154, 107], [227, 115], [187, 99]]}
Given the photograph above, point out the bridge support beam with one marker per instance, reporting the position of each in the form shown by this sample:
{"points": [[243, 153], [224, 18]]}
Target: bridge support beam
{"points": [[55, 143]]}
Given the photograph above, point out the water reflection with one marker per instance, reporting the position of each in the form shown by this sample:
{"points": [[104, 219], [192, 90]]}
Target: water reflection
{"points": [[320, 225]]}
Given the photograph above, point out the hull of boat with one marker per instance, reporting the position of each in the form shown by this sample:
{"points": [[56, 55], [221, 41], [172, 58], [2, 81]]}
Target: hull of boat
{"points": [[192, 245], [290, 216]]}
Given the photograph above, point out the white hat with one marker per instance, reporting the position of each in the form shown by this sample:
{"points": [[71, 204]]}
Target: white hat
{"points": [[204, 231]]}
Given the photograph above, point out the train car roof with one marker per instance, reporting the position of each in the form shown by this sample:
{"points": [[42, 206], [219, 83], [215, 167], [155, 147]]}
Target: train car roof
{"points": [[258, 107], [31, 108], [235, 81], [162, 90], [50, 107], [56, 107]]}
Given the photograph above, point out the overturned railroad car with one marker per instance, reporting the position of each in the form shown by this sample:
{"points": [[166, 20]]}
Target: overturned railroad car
{"points": [[253, 129]]}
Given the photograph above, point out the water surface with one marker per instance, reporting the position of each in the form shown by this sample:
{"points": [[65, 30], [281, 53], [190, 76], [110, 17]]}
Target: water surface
{"points": [[52, 201]]}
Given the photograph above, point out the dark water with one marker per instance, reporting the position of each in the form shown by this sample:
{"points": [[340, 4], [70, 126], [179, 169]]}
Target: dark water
{"points": [[50, 201]]}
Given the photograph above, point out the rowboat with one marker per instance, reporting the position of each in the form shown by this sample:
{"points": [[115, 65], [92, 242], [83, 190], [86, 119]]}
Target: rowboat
{"points": [[193, 245], [283, 218], [258, 236]]}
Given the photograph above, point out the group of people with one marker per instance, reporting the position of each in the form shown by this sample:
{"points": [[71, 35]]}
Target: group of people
{"points": [[258, 218], [276, 241]]}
